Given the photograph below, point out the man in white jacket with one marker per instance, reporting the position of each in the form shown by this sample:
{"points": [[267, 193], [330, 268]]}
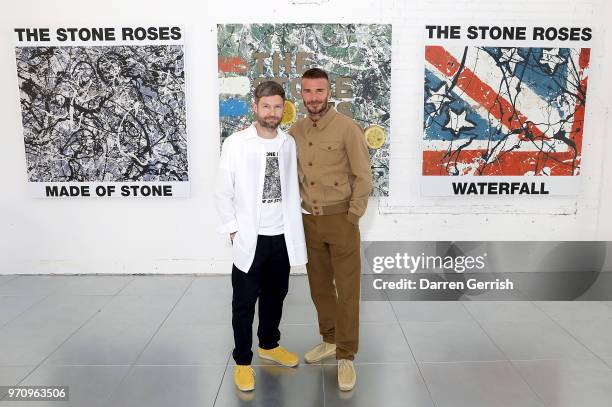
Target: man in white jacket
{"points": [[258, 201]]}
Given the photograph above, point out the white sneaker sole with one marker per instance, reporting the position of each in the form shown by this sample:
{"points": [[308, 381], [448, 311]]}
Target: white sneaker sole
{"points": [[323, 356]]}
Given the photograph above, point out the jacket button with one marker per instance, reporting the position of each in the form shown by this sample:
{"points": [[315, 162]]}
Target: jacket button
{"points": [[314, 202], [310, 164], [335, 184], [314, 125], [310, 143], [329, 147], [311, 183], [316, 207]]}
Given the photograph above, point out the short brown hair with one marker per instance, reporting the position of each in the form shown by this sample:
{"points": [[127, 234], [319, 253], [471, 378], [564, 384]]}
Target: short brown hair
{"points": [[315, 73], [268, 88]]}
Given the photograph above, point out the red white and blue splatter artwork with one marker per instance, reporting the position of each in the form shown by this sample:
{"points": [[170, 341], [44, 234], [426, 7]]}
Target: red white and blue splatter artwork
{"points": [[496, 111]]}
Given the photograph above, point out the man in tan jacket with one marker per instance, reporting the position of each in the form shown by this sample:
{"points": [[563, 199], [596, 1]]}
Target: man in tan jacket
{"points": [[335, 183]]}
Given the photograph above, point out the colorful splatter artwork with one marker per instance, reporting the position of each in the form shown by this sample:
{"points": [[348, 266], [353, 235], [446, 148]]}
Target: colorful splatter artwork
{"points": [[356, 56], [499, 111], [103, 113]]}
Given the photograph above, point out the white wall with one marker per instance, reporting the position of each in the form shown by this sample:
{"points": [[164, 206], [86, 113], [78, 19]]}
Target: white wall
{"points": [[176, 235]]}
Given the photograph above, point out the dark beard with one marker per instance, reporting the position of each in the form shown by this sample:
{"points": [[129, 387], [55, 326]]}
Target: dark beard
{"points": [[265, 124], [323, 109]]}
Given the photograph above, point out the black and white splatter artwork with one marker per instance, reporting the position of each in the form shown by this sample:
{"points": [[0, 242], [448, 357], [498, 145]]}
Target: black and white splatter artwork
{"points": [[272, 184], [103, 113]]}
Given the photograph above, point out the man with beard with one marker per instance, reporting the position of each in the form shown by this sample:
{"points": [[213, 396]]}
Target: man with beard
{"points": [[335, 183], [258, 201]]}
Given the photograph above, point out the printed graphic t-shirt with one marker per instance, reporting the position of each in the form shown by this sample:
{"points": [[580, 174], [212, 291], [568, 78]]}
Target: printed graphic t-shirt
{"points": [[271, 218]]}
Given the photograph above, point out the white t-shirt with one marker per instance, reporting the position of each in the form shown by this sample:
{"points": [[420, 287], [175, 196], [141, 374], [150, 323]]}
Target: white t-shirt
{"points": [[271, 218]]}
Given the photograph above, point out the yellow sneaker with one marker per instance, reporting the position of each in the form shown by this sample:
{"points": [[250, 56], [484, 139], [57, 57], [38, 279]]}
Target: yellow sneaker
{"points": [[279, 355], [244, 377], [346, 375], [320, 352]]}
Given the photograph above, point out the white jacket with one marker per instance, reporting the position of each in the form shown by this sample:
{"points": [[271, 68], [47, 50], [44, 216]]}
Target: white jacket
{"points": [[239, 190]]}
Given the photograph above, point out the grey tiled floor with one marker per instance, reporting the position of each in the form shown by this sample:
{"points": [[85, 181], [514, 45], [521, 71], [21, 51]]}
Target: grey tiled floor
{"points": [[167, 340]]}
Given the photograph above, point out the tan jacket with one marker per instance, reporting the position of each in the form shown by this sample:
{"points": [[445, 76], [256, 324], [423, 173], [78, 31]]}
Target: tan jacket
{"points": [[333, 165]]}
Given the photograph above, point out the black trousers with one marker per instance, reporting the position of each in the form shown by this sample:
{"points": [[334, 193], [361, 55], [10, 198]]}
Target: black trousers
{"points": [[268, 280]]}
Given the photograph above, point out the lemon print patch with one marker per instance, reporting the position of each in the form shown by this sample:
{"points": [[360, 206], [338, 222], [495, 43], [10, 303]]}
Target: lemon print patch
{"points": [[290, 113], [375, 136]]}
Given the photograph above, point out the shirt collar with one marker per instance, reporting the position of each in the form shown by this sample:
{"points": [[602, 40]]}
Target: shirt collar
{"points": [[325, 120], [252, 133]]}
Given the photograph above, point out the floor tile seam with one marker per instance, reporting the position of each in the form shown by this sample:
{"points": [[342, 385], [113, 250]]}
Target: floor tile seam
{"points": [[222, 379], [536, 304], [132, 365], [485, 322], [322, 372], [24, 311], [93, 315], [421, 374], [43, 298], [552, 318], [82, 365], [128, 282], [512, 365], [161, 324], [450, 362], [13, 276], [601, 359]]}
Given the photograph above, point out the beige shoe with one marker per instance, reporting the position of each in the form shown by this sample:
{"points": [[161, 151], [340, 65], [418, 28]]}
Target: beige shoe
{"points": [[346, 375], [320, 352]]}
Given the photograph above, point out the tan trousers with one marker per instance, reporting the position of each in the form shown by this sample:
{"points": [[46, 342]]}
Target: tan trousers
{"points": [[334, 266]]}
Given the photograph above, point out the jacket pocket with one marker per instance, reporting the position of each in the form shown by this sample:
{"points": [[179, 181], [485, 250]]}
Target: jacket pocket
{"points": [[330, 153], [337, 188]]}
